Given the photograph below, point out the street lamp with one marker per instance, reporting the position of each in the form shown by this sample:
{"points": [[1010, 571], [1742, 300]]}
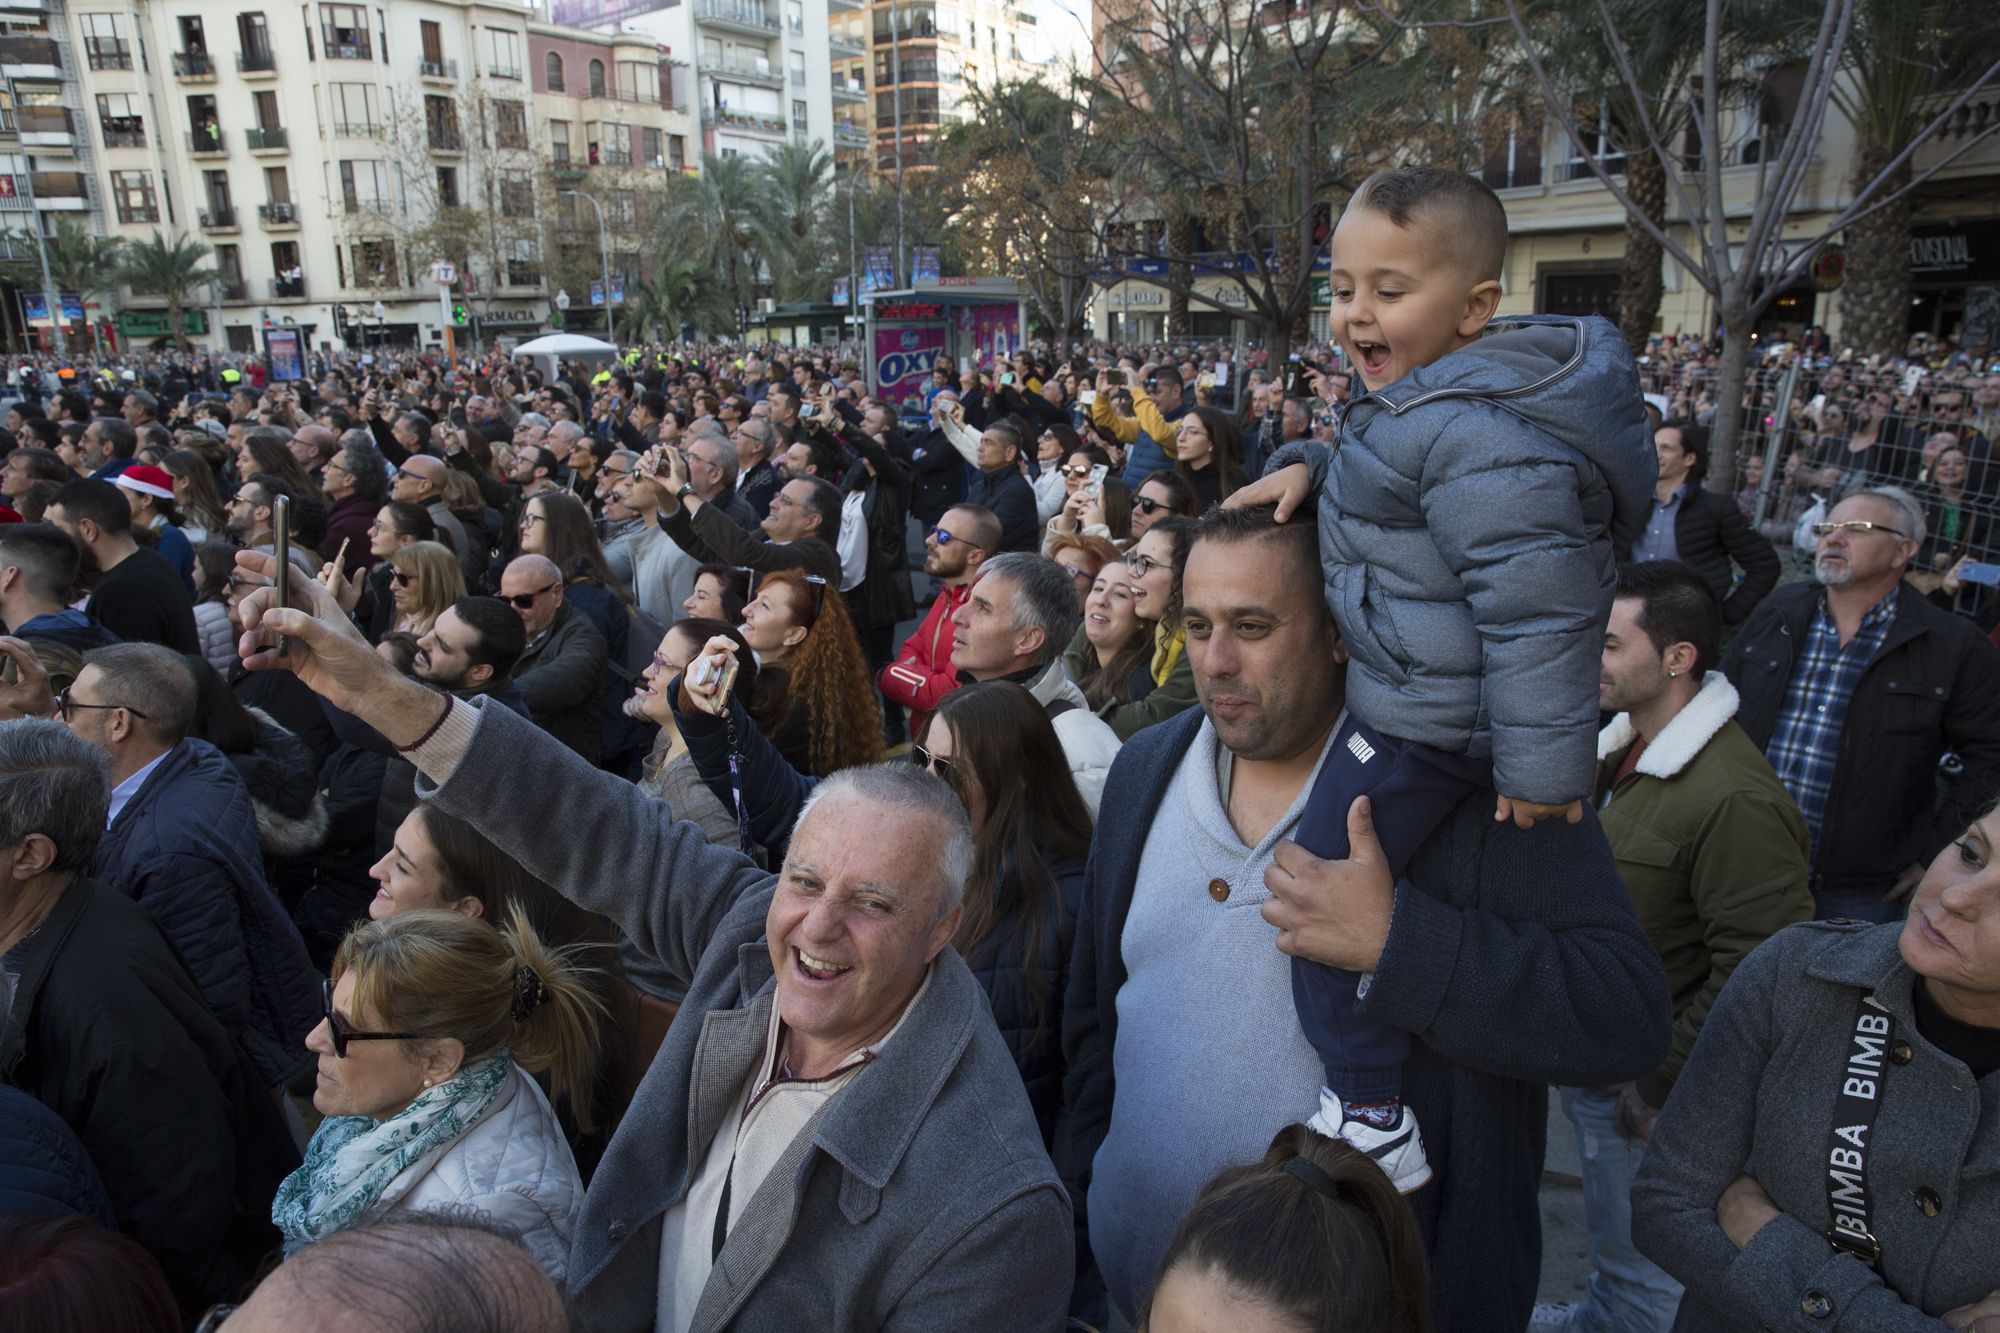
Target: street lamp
{"points": [[604, 259]]}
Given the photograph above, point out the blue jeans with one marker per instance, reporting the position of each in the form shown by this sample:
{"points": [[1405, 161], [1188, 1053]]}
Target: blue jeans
{"points": [[1628, 1292], [1859, 905]]}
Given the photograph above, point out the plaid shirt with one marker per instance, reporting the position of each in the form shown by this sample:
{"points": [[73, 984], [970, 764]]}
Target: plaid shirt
{"points": [[1805, 743]]}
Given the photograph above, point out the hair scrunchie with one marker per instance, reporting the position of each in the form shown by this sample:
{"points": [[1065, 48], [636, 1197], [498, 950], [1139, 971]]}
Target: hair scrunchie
{"points": [[528, 992]]}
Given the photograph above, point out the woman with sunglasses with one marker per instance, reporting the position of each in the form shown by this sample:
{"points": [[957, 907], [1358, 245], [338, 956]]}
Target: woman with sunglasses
{"points": [[1055, 445], [803, 636], [424, 580], [1105, 513], [397, 524], [430, 1021], [994, 745], [1163, 494]]}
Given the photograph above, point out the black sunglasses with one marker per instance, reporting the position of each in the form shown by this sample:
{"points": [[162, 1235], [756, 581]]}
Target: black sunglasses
{"points": [[525, 600], [65, 705], [342, 1034], [1147, 505], [923, 758], [400, 579]]}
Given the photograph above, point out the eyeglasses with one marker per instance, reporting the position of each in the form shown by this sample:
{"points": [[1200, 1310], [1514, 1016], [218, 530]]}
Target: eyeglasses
{"points": [[1142, 565], [401, 579], [527, 599], [531, 517], [342, 1034], [1147, 505], [937, 764], [941, 536], [65, 705], [1854, 525], [1077, 472], [217, 1316]]}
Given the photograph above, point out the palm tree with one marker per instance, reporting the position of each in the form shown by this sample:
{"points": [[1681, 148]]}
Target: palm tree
{"points": [[714, 217], [85, 264], [168, 268], [1901, 53], [795, 179]]}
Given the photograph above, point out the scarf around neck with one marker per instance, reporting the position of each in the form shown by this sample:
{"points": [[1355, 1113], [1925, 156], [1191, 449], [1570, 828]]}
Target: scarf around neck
{"points": [[352, 1158], [1167, 648]]}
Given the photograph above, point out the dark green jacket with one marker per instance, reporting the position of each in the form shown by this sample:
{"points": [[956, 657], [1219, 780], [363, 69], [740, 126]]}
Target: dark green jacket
{"points": [[1172, 696], [1713, 850]]}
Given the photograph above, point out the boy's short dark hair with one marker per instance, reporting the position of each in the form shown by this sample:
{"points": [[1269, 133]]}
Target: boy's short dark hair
{"points": [[1473, 214], [1676, 605]]}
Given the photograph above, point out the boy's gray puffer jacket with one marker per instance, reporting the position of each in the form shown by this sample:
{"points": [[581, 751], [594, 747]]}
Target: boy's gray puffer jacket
{"points": [[1466, 527]]}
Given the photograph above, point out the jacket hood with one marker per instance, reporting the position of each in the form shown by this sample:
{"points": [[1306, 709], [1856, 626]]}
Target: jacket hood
{"points": [[1571, 377]]}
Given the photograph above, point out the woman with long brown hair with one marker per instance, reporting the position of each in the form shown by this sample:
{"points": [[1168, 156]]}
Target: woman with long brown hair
{"points": [[195, 495], [265, 454], [1113, 644], [804, 641], [1209, 454]]}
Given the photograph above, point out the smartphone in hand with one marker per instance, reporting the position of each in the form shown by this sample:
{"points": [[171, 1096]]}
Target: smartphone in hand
{"points": [[281, 547]]}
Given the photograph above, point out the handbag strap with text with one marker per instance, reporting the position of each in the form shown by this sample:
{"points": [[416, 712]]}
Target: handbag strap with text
{"points": [[1854, 1111]]}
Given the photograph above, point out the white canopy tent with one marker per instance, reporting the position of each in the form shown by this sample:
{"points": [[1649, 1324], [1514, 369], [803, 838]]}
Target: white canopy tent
{"points": [[552, 348]]}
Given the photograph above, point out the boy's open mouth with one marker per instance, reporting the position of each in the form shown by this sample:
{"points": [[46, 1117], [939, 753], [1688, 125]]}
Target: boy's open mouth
{"points": [[1374, 357]]}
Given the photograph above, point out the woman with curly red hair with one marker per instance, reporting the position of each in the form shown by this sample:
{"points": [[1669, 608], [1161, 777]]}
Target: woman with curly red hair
{"points": [[803, 639]]}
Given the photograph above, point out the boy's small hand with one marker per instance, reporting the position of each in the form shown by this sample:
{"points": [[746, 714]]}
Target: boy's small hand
{"points": [[1527, 814], [1287, 488]]}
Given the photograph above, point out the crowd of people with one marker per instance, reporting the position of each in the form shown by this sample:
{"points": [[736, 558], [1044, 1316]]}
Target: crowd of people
{"points": [[1127, 838]]}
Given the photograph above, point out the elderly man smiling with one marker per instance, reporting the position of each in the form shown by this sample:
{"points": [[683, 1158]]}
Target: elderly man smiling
{"points": [[835, 1136]]}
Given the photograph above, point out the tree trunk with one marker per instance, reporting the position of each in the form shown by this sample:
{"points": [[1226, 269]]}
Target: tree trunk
{"points": [[174, 326], [1180, 244], [1639, 282], [1875, 299], [1733, 375]]}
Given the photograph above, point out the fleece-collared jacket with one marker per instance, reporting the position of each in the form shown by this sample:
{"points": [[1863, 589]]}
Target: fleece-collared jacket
{"points": [[1712, 848]]}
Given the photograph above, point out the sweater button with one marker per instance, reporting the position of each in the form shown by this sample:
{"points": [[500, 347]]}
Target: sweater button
{"points": [[1900, 1053], [616, 1231], [1218, 889], [1928, 1202], [1816, 1305]]}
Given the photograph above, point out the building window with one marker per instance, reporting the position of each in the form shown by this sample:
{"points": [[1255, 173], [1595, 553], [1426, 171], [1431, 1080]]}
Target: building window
{"points": [[1515, 160], [447, 187], [103, 48], [353, 108], [517, 197], [505, 54], [375, 264], [344, 30], [552, 72], [677, 152], [653, 143], [510, 124], [1595, 122], [121, 118], [799, 122], [559, 142], [133, 193], [522, 268], [597, 78]]}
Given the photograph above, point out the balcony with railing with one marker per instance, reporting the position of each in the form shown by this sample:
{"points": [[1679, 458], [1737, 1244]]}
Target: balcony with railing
{"points": [[503, 71], [850, 136], [346, 43], [30, 58], [267, 139], [444, 139], [849, 93], [439, 71], [288, 289], [847, 48], [206, 142], [232, 289], [124, 132], [219, 219], [45, 127], [356, 207], [357, 129], [748, 122], [256, 60], [194, 66], [737, 15], [762, 73], [278, 215], [611, 157]]}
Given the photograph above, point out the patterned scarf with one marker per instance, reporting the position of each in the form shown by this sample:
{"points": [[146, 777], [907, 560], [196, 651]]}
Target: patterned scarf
{"points": [[352, 1158]]}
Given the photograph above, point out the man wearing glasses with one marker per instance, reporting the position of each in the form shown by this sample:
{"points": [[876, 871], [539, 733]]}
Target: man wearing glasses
{"points": [[1868, 700], [561, 673], [954, 552]]}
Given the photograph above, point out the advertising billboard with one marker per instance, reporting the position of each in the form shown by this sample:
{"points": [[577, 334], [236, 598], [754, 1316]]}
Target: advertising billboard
{"points": [[903, 361]]}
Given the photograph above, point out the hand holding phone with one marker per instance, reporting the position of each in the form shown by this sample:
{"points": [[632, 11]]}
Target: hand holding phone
{"points": [[281, 547], [711, 676], [1094, 487]]}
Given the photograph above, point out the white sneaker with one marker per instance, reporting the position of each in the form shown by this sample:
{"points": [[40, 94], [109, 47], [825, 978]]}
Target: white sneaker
{"points": [[1399, 1151]]}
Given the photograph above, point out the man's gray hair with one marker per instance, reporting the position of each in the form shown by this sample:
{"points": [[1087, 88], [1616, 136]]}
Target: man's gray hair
{"points": [[566, 430], [279, 436], [1909, 514], [145, 400], [725, 460], [761, 433], [1044, 595], [151, 679], [535, 419], [907, 789], [55, 783]]}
